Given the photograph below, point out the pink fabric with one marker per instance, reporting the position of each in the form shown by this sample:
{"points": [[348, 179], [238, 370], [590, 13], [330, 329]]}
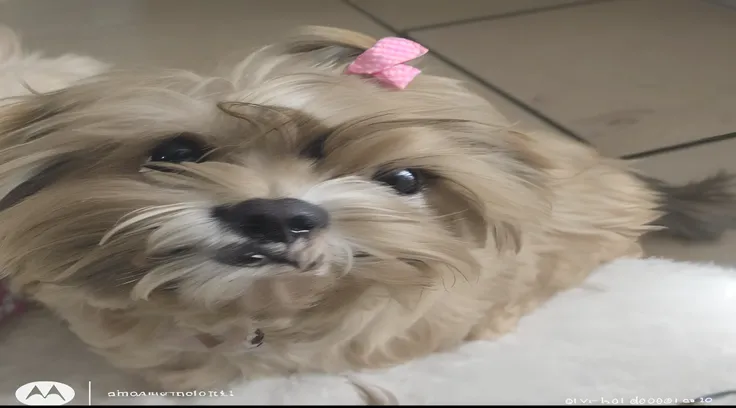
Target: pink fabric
{"points": [[385, 61], [9, 304]]}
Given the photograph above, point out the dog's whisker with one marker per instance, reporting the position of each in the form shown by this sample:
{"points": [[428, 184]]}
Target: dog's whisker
{"points": [[149, 214]]}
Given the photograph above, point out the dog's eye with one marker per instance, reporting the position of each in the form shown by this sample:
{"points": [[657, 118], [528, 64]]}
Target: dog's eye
{"points": [[316, 148], [404, 181], [180, 149]]}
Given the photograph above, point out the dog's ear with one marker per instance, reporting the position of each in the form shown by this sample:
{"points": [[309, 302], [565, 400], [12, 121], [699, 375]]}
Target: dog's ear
{"points": [[26, 164], [507, 191]]}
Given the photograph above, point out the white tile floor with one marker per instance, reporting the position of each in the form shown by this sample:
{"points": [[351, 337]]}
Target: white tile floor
{"points": [[629, 76]]}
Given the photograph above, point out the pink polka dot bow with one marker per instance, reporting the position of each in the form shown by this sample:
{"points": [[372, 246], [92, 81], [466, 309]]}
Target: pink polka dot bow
{"points": [[385, 61]]}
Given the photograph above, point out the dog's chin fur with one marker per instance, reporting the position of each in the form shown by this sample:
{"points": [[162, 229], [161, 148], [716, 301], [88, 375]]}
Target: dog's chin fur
{"points": [[127, 254]]}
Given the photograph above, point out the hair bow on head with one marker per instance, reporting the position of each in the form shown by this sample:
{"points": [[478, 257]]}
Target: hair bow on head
{"points": [[385, 61]]}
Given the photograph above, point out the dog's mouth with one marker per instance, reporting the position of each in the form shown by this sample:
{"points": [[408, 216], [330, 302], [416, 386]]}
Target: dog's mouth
{"points": [[251, 255]]}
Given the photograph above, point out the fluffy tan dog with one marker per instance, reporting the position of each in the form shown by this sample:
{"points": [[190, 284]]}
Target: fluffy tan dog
{"points": [[293, 218]]}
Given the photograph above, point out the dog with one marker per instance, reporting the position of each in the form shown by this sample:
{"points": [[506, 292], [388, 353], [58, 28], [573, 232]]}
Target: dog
{"points": [[292, 217]]}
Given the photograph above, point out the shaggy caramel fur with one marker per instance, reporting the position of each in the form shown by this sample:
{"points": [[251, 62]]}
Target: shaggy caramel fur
{"points": [[123, 252]]}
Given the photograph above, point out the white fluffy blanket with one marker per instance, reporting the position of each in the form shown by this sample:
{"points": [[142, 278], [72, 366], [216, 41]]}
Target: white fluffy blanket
{"points": [[638, 329]]}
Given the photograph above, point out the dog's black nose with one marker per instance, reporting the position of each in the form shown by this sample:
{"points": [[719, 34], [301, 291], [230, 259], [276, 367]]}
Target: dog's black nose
{"points": [[281, 220]]}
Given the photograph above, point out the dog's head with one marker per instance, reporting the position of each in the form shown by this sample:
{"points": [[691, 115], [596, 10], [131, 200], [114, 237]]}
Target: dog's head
{"points": [[203, 191]]}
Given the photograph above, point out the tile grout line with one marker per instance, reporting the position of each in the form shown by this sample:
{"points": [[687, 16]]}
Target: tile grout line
{"points": [[501, 16], [520, 104], [680, 146]]}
